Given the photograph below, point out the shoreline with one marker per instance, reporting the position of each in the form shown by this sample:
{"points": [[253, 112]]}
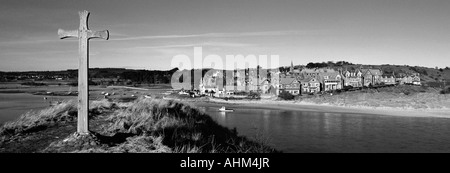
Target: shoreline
{"points": [[296, 106], [305, 106]]}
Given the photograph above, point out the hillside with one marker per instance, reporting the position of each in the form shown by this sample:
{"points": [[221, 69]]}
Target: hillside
{"points": [[428, 75]]}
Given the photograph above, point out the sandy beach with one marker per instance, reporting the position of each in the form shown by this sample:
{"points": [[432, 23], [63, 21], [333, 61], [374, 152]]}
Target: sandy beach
{"points": [[303, 106]]}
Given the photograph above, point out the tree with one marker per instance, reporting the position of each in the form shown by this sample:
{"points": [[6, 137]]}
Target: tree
{"points": [[317, 65]]}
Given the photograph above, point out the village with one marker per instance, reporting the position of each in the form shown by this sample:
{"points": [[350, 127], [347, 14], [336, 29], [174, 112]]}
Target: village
{"points": [[144, 92], [296, 81]]}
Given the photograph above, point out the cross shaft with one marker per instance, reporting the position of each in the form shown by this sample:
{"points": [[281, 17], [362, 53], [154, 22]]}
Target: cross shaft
{"points": [[83, 34]]}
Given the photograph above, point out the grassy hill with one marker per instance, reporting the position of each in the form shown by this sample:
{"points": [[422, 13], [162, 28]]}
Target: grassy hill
{"points": [[145, 125]]}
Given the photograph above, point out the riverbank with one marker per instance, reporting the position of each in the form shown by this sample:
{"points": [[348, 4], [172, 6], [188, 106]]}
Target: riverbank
{"points": [[308, 106], [145, 125]]}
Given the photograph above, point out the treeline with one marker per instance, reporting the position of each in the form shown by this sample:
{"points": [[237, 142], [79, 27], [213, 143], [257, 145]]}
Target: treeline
{"points": [[422, 71], [146, 76], [328, 64], [136, 76]]}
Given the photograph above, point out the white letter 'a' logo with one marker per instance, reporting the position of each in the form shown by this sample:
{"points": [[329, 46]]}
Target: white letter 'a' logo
{"points": [[181, 79]]}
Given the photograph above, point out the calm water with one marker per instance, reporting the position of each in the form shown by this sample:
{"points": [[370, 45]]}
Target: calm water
{"points": [[295, 131], [14, 105]]}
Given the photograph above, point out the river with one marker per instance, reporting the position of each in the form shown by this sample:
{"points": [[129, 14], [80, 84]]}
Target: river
{"points": [[311, 132], [303, 131], [15, 104]]}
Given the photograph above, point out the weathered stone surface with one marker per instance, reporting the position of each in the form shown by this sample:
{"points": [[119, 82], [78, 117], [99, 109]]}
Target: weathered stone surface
{"points": [[83, 34]]}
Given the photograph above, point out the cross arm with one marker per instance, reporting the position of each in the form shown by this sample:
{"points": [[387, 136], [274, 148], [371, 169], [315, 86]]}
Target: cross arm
{"points": [[99, 34], [67, 34]]}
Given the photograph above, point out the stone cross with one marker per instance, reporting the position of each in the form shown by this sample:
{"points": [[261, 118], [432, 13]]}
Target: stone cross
{"points": [[83, 34]]}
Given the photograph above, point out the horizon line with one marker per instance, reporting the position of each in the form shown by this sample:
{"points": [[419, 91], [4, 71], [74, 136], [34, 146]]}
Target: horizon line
{"points": [[168, 69]]}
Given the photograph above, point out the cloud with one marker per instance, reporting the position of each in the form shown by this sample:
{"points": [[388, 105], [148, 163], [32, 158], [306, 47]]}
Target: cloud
{"points": [[211, 44], [217, 35], [24, 53], [125, 37]]}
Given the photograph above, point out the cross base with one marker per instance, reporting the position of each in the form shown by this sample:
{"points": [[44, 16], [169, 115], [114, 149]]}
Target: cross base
{"points": [[86, 134], [82, 139]]}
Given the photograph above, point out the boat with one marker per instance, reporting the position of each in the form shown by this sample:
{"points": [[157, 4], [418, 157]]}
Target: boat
{"points": [[223, 109]]}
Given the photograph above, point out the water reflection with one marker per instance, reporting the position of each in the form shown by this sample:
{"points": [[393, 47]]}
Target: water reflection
{"points": [[14, 105], [297, 131]]}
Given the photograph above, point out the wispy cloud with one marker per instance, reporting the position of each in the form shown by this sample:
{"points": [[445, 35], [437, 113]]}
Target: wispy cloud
{"points": [[29, 41], [50, 39], [217, 35], [125, 37], [211, 44], [17, 53]]}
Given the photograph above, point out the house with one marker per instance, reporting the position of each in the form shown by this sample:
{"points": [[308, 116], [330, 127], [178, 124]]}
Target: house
{"points": [[212, 83], [310, 72], [403, 79], [229, 89], [274, 82], [411, 79], [388, 79], [328, 79], [240, 80], [331, 80], [371, 77], [252, 80], [353, 78], [291, 85], [265, 86], [416, 79], [310, 85]]}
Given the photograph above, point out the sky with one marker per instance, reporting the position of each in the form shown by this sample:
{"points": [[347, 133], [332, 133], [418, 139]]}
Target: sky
{"points": [[147, 34]]}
